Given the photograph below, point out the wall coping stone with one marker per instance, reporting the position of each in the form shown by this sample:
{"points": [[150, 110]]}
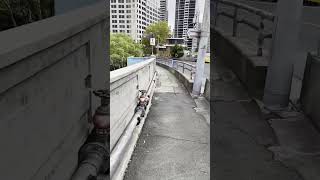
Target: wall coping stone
{"points": [[20, 42]]}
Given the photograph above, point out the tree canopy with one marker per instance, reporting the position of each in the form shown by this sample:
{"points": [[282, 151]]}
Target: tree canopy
{"points": [[177, 51], [160, 31], [122, 46], [18, 12]]}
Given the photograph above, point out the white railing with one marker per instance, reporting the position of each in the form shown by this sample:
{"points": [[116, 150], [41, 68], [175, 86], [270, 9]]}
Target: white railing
{"points": [[185, 68]]}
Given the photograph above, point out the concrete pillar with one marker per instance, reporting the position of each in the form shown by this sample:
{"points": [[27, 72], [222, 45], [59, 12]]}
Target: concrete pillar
{"points": [[284, 49], [205, 31]]}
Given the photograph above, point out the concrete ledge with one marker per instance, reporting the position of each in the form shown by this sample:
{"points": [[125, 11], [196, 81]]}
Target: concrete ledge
{"points": [[206, 93], [123, 156], [240, 56], [181, 77], [26, 40], [125, 84], [310, 97], [45, 94]]}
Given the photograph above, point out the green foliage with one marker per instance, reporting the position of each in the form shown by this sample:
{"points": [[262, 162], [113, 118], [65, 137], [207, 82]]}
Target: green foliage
{"points": [[18, 12], [177, 51], [122, 46], [160, 31]]}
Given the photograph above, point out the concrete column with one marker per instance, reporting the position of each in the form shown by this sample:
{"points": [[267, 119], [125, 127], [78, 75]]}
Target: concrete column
{"points": [[284, 49], [205, 30]]}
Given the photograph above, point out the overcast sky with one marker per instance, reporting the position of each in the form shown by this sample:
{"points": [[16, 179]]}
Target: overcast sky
{"points": [[172, 7]]}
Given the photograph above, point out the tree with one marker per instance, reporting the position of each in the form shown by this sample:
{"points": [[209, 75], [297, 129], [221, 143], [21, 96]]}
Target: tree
{"points": [[122, 46], [160, 31], [177, 51], [14, 13]]}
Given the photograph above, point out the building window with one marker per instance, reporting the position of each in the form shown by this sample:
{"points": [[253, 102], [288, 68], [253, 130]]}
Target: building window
{"points": [[113, 11], [121, 11], [113, 6], [121, 1], [114, 21], [114, 16]]}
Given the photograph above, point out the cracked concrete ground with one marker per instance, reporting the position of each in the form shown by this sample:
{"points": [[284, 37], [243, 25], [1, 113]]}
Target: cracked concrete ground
{"points": [[240, 136], [174, 143]]}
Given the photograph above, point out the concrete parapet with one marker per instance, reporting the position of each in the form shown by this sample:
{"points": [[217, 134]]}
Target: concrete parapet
{"points": [[240, 56], [125, 84], [47, 70], [310, 97]]}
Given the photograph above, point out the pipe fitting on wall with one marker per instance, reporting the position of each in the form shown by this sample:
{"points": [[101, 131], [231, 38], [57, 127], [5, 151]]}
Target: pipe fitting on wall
{"points": [[94, 154]]}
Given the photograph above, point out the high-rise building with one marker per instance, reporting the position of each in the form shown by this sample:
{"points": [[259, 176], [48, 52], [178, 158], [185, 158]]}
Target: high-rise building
{"points": [[133, 16], [163, 10], [184, 17]]}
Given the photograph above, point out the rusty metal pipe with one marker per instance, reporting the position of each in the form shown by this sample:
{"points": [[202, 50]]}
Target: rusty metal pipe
{"points": [[94, 154]]}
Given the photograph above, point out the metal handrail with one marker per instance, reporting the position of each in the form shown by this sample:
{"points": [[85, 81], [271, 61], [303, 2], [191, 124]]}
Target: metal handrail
{"points": [[175, 64], [260, 27]]}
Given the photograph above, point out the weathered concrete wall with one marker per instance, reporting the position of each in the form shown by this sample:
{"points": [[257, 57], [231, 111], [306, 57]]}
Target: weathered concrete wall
{"points": [[309, 35], [310, 96], [44, 103], [240, 55], [125, 84], [207, 90]]}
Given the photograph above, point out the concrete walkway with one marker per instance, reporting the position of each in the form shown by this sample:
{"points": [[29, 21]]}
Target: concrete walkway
{"points": [[174, 143], [242, 138]]}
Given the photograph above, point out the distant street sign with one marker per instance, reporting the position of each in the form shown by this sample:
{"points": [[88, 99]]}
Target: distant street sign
{"points": [[152, 41]]}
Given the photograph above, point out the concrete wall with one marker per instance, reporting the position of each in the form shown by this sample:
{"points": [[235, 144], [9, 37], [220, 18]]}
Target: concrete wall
{"points": [[207, 90], [125, 84], [240, 56], [309, 35], [44, 103], [310, 97]]}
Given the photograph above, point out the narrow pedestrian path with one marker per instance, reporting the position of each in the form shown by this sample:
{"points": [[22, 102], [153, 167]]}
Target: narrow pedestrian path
{"points": [[175, 140], [242, 137]]}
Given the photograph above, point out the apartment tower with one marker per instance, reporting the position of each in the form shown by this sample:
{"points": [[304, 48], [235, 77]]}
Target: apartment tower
{"points": [[133, 16], [163, 10], [184, 17]]}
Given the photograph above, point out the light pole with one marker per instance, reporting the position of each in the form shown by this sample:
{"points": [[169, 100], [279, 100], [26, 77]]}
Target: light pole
{"points": [[158, 45], [284, 51], [204, 35]]}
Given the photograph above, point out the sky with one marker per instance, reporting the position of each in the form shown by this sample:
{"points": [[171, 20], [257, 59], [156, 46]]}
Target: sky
{"points": [[171, 11]]}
